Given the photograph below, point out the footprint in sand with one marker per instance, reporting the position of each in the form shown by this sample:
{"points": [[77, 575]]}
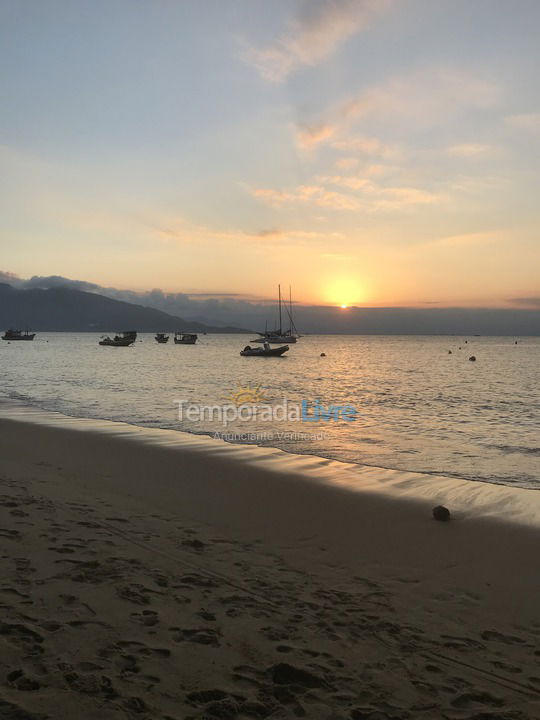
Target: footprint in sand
{"points": [[202, 636], [23, 637], [135, 593], [10, 534], [468, 699], [10, 711], [19, 680], [499, 637], [146, 617]]}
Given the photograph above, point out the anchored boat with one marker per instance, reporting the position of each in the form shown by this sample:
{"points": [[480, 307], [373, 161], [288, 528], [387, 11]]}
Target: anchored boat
{"points": [[181, 338], [162, 338], [265, 351], [123, 339], [12, 334], [278, 336]]}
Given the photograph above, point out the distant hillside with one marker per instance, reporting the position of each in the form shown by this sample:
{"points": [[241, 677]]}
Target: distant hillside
{"points": [[66, 310]]}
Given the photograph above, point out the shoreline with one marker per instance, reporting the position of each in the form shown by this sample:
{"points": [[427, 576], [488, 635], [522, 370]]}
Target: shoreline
{"points": [[495, 501], [210, 578]]}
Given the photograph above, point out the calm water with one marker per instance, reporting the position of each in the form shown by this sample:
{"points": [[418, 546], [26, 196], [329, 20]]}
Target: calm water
{"points": [[419, 407]]}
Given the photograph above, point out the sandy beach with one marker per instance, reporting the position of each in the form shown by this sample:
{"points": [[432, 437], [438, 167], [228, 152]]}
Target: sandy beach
{"points": [[152, 574]]}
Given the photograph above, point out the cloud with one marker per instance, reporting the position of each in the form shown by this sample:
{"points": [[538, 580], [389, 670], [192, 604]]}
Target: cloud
{"points": [[346, 163], [251, 311], [368, 196], [307, 195], [46, 282], [54, 281], [10, 278], [365, 146], [468, 150], [308, 136], [529, 122], [313, 36], [464, 240], [423, 98], [529, 302], [270, 232], [426, 96]]}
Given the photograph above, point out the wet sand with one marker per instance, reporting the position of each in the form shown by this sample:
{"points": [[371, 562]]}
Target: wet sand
{"points": [[151, 574]]}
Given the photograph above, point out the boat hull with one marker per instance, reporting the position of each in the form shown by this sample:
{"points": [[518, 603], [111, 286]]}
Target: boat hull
{"points": [[276, 339], [264, 352], [185, 338], [116, 343], [16, 339]]}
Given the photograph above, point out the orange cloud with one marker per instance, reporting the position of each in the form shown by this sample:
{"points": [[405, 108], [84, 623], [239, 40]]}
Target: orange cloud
{"points": [[313, 36]]}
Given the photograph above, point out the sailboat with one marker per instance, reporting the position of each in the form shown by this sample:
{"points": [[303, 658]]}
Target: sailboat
{"points": [[280, 336]]}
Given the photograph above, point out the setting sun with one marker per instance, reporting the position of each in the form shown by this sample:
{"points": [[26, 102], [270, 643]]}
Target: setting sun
{"points": [[345, 291]]}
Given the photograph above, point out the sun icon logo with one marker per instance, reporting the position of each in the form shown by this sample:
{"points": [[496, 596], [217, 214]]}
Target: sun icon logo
{"points": [[245, 395]]}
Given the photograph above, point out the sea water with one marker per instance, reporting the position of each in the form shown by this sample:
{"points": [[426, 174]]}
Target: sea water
{"points": [[413, 403]]}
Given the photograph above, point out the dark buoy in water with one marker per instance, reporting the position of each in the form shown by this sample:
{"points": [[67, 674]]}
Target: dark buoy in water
{"points": [[472, 358], [515, 343], [449, 352], [460, 347], [323, 354], [466, 341], [441, 513]]}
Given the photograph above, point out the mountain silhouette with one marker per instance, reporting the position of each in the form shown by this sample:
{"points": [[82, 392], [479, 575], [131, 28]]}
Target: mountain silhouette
{"points": [[67, 310]]}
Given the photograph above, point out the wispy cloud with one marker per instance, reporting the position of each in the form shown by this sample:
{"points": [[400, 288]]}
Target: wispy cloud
{"points": [[311, 135], [360, 194], [463, 240], [365, 146], [529, 302], [529, 122], [423, 98], [468, 150], [313, 36], [307, 195], [182, 232]]}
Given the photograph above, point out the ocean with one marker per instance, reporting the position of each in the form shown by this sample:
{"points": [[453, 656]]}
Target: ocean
{"points": [[397, 402]]}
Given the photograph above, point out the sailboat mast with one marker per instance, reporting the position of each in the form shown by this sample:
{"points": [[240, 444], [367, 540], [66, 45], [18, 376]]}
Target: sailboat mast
{"points": [[279, 294], [290, 310]]}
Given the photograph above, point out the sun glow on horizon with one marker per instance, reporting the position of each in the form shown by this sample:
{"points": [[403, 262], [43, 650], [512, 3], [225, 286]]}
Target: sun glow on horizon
{"points": [[345, 292]]}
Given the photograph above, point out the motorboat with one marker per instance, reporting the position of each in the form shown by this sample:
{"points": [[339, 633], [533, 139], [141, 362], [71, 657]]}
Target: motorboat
{"points": [[181, 338], [249, 351], [162, 338], [123, 339]]}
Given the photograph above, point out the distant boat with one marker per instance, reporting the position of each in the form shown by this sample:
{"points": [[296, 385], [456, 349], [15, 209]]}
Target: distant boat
{"points": [[12, 334], [162, 338], [279, 336], [123, 339], [181, 338], [248, 351]]}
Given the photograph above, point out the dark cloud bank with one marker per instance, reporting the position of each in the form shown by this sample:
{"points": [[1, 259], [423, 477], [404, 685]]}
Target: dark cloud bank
{"points": [[521, 318]]}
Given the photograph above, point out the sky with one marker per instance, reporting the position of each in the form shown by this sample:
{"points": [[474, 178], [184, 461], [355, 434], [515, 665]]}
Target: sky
{"points": [[367, 152]]}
